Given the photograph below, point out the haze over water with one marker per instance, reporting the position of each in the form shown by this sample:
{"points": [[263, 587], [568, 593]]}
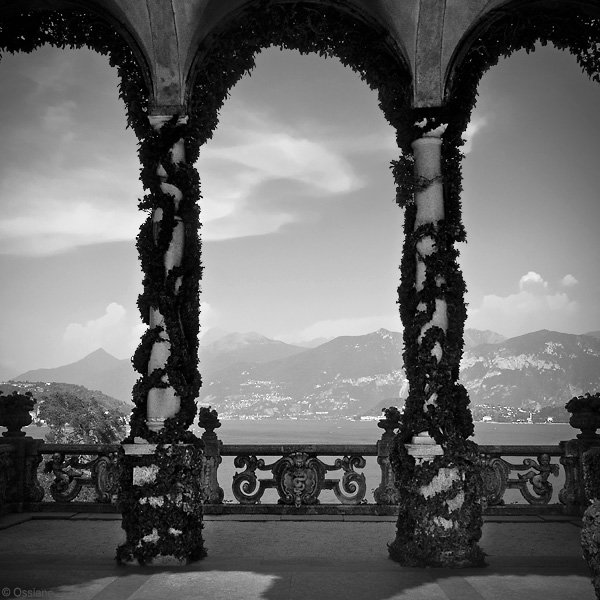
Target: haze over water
{"points": [[366, 432]]}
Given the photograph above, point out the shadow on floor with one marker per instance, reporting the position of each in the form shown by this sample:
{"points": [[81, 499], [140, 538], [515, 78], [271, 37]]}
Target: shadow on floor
{"points": [[273, 561]]}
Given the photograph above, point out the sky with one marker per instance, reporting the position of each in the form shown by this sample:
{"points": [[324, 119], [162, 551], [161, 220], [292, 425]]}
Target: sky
{"points": [[301, 234]]}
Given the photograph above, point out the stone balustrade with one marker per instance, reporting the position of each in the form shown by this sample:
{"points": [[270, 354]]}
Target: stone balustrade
{"points": [[523, 479]]}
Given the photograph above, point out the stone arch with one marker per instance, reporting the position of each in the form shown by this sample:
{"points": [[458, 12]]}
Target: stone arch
{"points": [[57, 23], [569, 25], [354, 37]]}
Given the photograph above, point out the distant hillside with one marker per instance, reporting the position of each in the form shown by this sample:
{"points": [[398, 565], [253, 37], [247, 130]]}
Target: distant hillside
{"points": [[41, 389], [540, 368], [235, 348], [345, 376], [96, 371], [249, 374]]}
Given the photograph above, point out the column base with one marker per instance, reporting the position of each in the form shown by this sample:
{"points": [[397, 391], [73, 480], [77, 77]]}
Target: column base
{"points": [[439, 523], [161, 500]]}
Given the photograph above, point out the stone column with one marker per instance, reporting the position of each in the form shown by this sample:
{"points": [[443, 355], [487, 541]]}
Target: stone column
{"points": [[164, 402], [434, 464], [161, 490], [429, 200]]}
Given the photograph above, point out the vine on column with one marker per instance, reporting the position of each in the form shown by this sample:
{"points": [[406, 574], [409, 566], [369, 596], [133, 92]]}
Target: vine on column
{"points": [[440, 510], [174, 293]]}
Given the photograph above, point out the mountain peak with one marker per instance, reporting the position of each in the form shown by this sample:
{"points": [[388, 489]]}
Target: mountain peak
{"points": [[100, 352]]}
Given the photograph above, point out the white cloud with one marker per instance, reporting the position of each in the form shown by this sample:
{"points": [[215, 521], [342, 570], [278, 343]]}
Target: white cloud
{"points": [[115, 331], [534, 307], [473, 128], [330, 328], [532, 281], [254, 151], [50, 212], [569, 281]]}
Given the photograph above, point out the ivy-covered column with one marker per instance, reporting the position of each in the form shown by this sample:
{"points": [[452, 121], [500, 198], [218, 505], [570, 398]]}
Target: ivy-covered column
{"points": [[161, 491], [439, 522]]}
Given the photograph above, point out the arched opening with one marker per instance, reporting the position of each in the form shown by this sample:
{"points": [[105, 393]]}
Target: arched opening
{"points": [[69, 190], [302, 238], [230, 53], [531, 221]]}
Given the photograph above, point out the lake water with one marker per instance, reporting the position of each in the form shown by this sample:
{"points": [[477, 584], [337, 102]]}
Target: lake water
{"points": [[367, 432]]}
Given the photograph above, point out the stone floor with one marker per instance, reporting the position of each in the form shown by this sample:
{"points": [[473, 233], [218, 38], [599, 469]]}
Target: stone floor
{"points": [[70, 556]]}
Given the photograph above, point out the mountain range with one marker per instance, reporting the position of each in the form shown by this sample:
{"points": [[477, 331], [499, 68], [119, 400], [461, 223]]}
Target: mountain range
{"points": [[252, 375]]}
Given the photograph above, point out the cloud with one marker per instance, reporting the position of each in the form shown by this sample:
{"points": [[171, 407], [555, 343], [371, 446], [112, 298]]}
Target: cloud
{"points": [[330, 328], [47, 213], [534, 307], [69, 170], [115, 331], [532, 281], [568, 281], [255, 152], [473, 128]]}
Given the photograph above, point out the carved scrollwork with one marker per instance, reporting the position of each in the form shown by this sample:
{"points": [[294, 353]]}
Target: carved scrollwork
{"points": [[531, 481], [534, 484], [352, 487], [494, 473], [105, 474], [246, 487], [299, 478], [68, 477]]}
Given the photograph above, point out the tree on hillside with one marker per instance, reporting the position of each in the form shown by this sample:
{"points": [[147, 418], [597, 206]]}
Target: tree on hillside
{"points": [[75, 420]]}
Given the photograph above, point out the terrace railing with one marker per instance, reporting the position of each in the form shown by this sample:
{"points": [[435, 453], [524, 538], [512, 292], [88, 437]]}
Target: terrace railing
{"points": [[294, 478]]}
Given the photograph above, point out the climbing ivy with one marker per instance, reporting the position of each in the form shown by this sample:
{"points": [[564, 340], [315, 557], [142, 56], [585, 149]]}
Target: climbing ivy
{"points": [[227, 55]]}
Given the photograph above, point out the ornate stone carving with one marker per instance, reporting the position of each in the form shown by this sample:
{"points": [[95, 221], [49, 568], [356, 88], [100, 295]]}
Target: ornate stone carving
{"points": [[105, 475], [246, 486], [386, 492], [70, 477], [209, 420], [299, 478], [352, 487], [536, 478], [533, 483]]}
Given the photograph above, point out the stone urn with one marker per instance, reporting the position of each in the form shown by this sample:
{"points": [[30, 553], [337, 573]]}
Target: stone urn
{"points": [[585, 416], [15, 412], [590, 530]]}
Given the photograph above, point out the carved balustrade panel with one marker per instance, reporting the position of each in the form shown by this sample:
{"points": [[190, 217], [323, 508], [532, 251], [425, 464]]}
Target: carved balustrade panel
{"points": [[531, 476], [72, 471], [299, 475]]}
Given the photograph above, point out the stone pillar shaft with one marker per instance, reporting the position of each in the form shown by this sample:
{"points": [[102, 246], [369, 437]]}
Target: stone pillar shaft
{"points": [[429, 201], [435, 467], [164, 402]]}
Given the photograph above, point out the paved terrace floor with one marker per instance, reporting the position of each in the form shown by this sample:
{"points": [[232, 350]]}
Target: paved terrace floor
{"points": [[70, 556]]}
